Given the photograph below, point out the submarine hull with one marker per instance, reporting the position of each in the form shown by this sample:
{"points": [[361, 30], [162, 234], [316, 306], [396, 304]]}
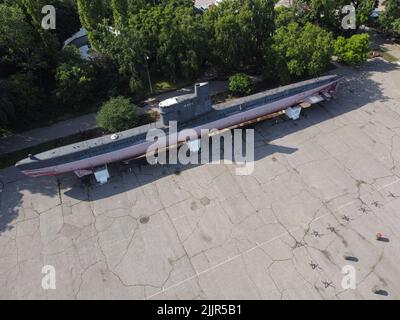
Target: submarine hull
{"points": [[140, 148]]}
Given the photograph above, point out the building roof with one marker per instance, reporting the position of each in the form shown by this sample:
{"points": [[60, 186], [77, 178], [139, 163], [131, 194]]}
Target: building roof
{"points": [[204, 4], [82, 33]]}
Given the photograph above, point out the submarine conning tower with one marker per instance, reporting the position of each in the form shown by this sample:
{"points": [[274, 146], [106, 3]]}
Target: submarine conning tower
{"points": [[186, 107]]}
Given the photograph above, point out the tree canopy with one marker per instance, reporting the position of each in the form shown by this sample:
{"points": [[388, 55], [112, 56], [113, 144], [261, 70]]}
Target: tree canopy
{"points": [[328, 13], [240, 84], [134, 42], [239, 30], [390, 19], [75, 80], [117, 114], [301, 51]]}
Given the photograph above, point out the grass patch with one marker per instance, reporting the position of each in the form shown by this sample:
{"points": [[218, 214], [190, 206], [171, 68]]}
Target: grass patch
{"points": [[163, 85], [388, 57]]}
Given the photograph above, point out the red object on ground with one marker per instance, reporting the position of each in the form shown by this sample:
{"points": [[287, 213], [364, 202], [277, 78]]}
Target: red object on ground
{"points": [[378, 235]]}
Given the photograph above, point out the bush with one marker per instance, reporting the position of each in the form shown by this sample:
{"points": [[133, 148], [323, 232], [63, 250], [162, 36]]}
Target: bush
{"points": [[240, 84], [354, 50], [117, 114]]}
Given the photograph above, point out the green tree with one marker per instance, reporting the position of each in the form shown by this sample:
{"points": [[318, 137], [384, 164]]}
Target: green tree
{"points": [[285, 15], [169, 38], [354, 50], [16, 35], [240, 84], [123, 9], [91, 13], [120, 12], [127, 51], [28, 59], [300, 51], [48, 38], [327, 13], [364, 10], [67, 18], [181, 40], [117, 114], [239, 30], [396, 26], [75, 83], [390, 18], [26, 62], [34, 48], [24, 100]]}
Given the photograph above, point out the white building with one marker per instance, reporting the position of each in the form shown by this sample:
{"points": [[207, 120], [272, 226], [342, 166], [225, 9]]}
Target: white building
{"points": [[80, 40]]}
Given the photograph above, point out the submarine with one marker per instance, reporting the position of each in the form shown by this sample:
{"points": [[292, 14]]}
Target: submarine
{"points": [[194, 111]]}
